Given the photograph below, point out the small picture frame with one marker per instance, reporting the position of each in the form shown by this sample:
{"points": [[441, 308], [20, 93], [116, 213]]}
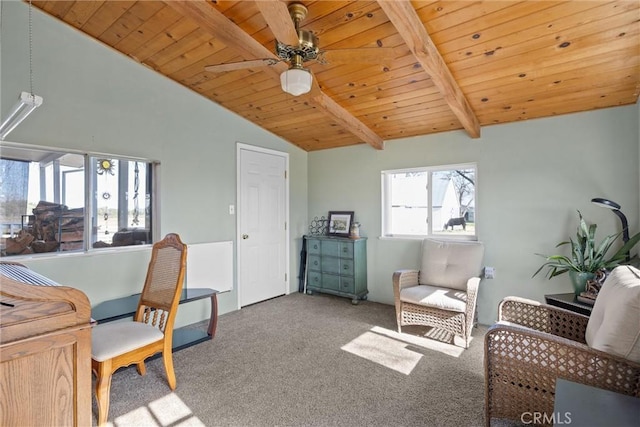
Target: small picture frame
{"points": [[339, 223]]}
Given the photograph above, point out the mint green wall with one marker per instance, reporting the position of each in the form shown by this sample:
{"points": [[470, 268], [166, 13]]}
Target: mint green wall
{"points": [[99, 100], [532, 176]]}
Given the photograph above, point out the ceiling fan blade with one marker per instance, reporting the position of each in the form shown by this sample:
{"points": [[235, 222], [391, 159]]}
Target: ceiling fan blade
{"points": [[276, 14], [373, 55], [218, 68]]}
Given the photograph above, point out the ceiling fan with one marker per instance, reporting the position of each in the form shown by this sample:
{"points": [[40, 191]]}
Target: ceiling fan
{"points": [[297, 46]]}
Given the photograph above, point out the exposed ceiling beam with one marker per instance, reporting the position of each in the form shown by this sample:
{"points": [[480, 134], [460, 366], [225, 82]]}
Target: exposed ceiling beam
{"points": [[219, 26], [404, 17]]}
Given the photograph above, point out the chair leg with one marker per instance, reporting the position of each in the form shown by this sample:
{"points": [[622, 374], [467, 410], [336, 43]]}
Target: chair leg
{"points": [[103, 388], [141, 368], [167, 358]]}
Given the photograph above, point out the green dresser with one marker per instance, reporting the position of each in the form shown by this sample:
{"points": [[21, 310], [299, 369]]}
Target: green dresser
{"points": [[337, 266]]}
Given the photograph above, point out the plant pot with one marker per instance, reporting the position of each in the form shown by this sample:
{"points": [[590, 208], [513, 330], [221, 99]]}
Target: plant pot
{"points": [[579, 280]]}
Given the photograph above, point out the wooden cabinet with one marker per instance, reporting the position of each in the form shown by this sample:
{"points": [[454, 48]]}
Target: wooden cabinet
{"points": [[45, 354], [337, 266]]}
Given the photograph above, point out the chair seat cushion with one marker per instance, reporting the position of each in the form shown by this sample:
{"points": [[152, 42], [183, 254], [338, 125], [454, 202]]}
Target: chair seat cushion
{"points": [[435, 297], [614, 324], [112, 339]]}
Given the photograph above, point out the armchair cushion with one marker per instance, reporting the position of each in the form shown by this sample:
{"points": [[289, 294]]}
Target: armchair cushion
{"points": [[433, 296], [613, 325], [451, 265]]}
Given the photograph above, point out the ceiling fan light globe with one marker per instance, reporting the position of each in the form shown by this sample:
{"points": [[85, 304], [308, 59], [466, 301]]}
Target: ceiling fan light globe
{"points": [[296, 81]]}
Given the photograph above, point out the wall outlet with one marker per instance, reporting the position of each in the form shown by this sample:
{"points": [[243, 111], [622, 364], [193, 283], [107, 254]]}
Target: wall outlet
{"points": [[489, 273]]}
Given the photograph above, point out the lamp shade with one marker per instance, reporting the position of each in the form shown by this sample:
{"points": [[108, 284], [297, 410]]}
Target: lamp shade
{"points": [[296, 81], [605, 203]]}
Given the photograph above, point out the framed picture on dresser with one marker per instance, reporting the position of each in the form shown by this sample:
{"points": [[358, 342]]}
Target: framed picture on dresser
{"points": [[339, 223]]}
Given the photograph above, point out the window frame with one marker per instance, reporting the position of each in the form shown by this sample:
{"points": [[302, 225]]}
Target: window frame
{"points": [[89, 189], [385, 186]]}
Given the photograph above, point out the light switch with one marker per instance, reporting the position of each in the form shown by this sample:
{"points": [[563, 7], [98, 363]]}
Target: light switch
{"points": [[232, 210]]}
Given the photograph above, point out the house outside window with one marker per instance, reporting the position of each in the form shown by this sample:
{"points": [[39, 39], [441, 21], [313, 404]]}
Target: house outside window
{"points": [[55, 201], [430, 201]]}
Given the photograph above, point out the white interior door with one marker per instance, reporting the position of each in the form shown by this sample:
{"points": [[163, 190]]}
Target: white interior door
{"points": [[262, 226]]}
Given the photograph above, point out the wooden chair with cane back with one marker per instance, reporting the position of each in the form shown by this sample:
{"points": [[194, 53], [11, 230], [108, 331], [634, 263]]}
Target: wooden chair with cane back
{"points": [[119, 344]]}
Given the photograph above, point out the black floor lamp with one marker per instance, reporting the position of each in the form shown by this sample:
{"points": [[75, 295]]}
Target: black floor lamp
{"points": [[606, 203]]}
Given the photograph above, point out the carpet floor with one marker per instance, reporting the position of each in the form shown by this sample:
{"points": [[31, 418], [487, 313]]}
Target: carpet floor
{"points": [[309, 360]]}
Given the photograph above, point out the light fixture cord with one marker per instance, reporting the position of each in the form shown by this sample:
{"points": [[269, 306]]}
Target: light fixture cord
{"points": [[31, 53]]}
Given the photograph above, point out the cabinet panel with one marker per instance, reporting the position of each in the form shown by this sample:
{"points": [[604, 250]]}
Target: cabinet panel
{"points": [[330, 281], [330, 264], [330, 248]]}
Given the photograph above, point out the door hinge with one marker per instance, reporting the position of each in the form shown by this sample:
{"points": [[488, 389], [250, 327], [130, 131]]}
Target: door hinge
{"points": [[285, 174], [285, 226], [285, 277]]}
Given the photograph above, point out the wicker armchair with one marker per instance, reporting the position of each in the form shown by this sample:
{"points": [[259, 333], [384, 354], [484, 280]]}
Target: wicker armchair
{"points": [[118, 344], [534, 344], [443, 293]]}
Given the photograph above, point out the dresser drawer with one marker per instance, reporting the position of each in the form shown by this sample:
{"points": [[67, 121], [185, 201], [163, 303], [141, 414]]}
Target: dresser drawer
{"points": [[314, 279], [313, 246], [336, 265], [347, 284], [314, 262], [346, 250]]}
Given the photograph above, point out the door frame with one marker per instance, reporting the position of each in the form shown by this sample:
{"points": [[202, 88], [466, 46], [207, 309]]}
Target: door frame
{"points": [[239, 147]]}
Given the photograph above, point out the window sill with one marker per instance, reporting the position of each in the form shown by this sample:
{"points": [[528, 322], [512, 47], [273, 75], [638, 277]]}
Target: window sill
{"points": [[433, 236], [93, 252]]}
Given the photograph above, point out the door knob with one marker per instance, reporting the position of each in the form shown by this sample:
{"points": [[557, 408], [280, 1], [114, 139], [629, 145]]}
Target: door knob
{"points": [[245, 236]]}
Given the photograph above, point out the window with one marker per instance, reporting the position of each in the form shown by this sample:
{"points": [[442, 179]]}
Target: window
{"points": [[55, 201], [429, 201]]}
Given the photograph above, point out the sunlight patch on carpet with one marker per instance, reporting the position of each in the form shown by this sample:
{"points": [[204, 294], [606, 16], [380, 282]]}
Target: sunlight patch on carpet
{"points": [[426, 343], [169, 410], [385, 351]]}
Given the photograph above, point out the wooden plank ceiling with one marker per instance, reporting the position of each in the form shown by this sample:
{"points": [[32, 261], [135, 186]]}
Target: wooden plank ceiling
{"points": [[454, 64]]}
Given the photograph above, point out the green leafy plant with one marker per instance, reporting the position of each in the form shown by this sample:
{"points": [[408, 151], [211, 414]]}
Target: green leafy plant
{"points": [[587, 255]]}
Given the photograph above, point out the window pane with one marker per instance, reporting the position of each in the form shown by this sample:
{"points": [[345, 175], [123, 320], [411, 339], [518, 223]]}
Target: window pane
{"points": [[409, 202], [454, 202], [41, 210], [429, 201], [122, 203]]}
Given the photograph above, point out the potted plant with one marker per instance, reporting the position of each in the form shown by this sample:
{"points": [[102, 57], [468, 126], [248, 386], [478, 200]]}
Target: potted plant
{"points": [[587, 256]]}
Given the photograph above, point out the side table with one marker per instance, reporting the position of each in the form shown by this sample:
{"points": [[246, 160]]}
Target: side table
{"points": [[583, 405], [568, 302], [121, 308]]}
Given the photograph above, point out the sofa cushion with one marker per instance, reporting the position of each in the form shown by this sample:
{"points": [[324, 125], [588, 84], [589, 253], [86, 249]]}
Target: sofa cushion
{"points": [[614, 324], [435, 297], [450, 264]]}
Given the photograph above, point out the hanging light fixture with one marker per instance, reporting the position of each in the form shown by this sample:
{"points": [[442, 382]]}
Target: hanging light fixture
{"points": [[297, 79], [27, 102]]}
